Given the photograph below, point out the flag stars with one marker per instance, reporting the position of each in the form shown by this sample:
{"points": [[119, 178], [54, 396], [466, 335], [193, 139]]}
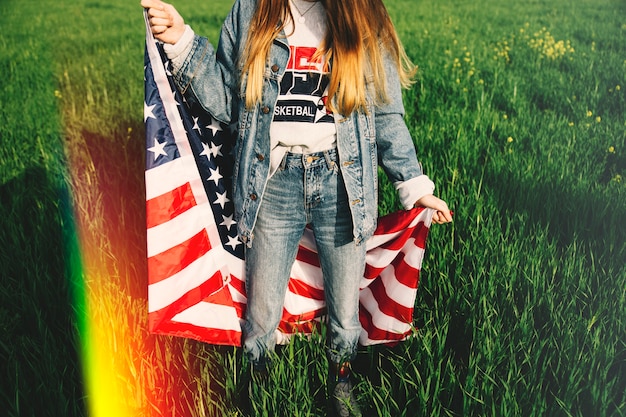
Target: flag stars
{"points": [[206, 151], [221, 199], [158, 148], [195, 124], [214, 126], [216, 150], [215, 175], [228, 221], [213, 150], [147, 112], [233, 242]]}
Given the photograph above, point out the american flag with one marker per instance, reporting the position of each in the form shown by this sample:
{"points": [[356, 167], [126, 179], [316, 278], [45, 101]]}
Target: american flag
{"points": [[196, 283]]}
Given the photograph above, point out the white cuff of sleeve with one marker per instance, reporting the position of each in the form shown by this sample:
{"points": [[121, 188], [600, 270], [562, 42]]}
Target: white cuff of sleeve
{"points": [[181, 47], [412, 190]]}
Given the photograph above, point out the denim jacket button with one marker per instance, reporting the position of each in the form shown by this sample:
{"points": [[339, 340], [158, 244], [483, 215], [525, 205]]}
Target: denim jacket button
{"points": [[253, 196], [265, 109], [260, 157], [275, 67]]}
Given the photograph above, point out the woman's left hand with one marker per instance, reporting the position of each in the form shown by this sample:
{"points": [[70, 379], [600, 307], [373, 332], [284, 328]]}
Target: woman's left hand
{"points": [[442, 212]]}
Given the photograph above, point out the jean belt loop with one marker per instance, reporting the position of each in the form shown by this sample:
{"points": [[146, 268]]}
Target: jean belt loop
{"points": [[283, 163], [329, 161]]}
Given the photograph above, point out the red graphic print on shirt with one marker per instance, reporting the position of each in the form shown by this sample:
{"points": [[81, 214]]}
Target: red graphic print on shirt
{"points": [[303, 89]]}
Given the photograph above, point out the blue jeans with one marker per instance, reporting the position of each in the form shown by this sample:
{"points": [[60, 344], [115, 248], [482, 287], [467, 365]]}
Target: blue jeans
{"points": [[305, 190]]}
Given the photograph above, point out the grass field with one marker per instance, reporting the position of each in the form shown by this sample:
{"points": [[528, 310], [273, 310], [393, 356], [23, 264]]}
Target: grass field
{"points": [[519, 115]]}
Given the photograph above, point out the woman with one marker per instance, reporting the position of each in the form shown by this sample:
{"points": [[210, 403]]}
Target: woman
{"points": [[315, 89]]}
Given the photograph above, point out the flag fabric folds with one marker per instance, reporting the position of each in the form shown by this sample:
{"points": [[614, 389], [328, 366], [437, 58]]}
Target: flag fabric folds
{"points": [[196, 282]]}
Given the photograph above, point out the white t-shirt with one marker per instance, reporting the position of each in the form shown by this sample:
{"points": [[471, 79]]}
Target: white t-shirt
{"points": [[302, 123]]}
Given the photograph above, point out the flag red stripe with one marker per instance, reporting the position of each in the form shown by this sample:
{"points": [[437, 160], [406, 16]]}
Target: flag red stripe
{"points": [[303, 317], [396, 221], [421, 235], [308, 327], [308, 256], [398, 241], [405, 273], [190, 298], [240, 308], [376, 334], [178, 257], [204, 334], [388, 305], [305, 290], [169, 205], [221, 297], [372, 272], [238, 284]]}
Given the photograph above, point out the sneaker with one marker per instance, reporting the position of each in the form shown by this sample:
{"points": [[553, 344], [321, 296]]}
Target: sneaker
{"points": [[342, 392]]}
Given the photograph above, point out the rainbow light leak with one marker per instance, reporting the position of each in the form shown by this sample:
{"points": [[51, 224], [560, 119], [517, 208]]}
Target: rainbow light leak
{"points": [[126, 370]]}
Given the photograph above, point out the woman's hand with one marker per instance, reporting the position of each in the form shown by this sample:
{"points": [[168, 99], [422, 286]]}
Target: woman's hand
{"points": [[166, 24], [442, 212]]}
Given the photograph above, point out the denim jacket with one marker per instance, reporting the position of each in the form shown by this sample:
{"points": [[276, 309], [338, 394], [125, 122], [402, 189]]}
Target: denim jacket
{"points": [[213, 78]]}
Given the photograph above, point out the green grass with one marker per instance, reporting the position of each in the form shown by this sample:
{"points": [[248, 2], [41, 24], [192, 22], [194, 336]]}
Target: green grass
{"points": [[522, 305], [39, 360]]}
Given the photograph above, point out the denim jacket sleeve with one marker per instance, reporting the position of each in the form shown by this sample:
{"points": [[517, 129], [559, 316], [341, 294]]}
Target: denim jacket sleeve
{"points": [[209, 76], [396, 149]]}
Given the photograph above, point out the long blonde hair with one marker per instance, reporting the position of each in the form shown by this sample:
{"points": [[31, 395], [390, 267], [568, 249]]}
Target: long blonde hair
{"points": [[359, 33]]}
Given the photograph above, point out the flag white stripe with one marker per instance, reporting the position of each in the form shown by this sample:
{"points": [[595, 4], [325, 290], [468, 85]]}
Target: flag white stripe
{"points": [[167, 177], [214, 316], [179, 229], [296, 304], [236, 295], [307, 273], [165, 292], [395, 290], [380, 319], [380, 258], [413, 254], [378, 240]]}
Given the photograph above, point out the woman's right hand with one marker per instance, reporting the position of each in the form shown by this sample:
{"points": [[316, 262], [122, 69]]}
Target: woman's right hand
{"points": [[166, 24]]}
